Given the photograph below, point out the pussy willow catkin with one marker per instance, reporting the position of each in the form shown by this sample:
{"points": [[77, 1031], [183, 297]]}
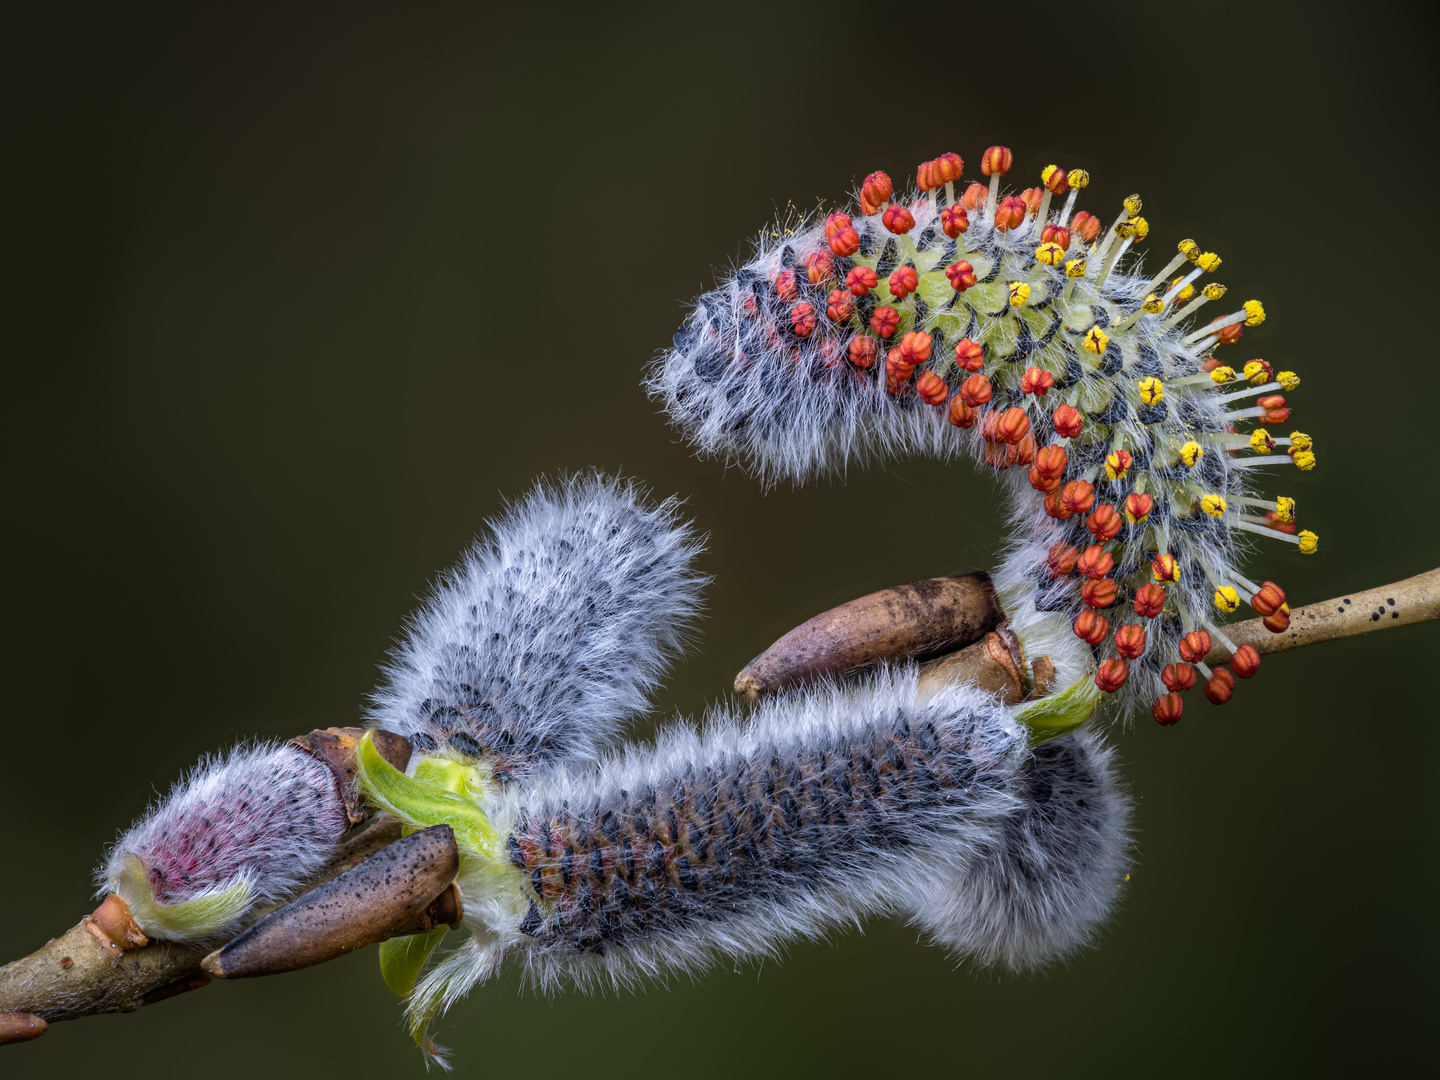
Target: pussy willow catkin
{"points": [[1021, 331]]}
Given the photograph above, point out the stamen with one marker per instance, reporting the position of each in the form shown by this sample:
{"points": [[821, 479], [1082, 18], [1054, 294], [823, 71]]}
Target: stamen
{"points": [[1075, 180], [995, 163], [1252, 314]]}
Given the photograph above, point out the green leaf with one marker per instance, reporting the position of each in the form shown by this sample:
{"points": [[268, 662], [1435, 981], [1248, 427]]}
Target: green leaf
{"points": [[423, 804], [402, 958], [1053, 716]]}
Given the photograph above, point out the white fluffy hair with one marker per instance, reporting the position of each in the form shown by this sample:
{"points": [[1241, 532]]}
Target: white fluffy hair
{"points": [[550, 633]]}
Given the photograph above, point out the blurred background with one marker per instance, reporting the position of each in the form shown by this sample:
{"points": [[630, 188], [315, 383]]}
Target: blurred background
{"points": [[296, 299]]}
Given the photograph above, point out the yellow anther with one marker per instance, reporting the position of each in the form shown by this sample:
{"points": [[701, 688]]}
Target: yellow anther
{"points": [[1152, 305], [1227, 599], [1288, 380], [1132, 205], [1214, 290], [1046, 173], [1257, 372], [1077, 178], [1222, 374], [1191, 452], [1019, 293], [1075, 268], [1125, 230], [1261, 442], [1142, 228], [1254, 313], [1185, 293], [1096, 340], [1208, 261], [1116, 466], [1301, 441], [1189, 249], [1152, 390], [1309, 542], [1304, 460], [1214, 505], [1284, 508], [1050, 254]]}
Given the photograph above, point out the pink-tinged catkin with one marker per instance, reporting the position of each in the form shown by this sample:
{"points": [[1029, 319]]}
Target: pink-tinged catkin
{"points": [[266, 816]]}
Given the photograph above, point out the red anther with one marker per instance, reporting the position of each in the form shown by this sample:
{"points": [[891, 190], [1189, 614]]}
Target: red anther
{"points": [[897, 369], [948, 168], [1220, 687], [1261, 374], [903, 282], [861, 280], [1130, 641], [1104, 523], [1055, 508], [749, 307], [839, 306], [976, 391], [1117, 464], [819, 267], [1095, 562], [1099, 593], [1149, 600], [835, 222], [1078, 496], [1091, 627], [1246, 661], [1138, 506], [897, 219], [845, 242], [1012, 426], [1276, 417], [1041, 483], [785, 285], [1209, 364], [915, 347], [1168, 709], [1278, 525], [1194, 646], [1022, 452], [1061, 560], [1037, 382], [1056, 184], [1271, 401], [1067, 421], [1009, 213], [1112, 675], [954, 221], [1031, 197], [1231, 334], [875, 192], [975, 196], [1165, 567], [802, 318], [1279, 622], [932, 388], [1051, 463], [1086, 226], [997, 160], [961, 275], [1178, 677], [926, 178], [1269, 600], [830, 352], [885, 321], [864, 351], [961, 415], [1056, 234]]}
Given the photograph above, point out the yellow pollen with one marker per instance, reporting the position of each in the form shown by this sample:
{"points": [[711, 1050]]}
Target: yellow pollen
{"points": [[1255, 314], [1189, 249], [1046, 173], [1132, 205], [1222, 374], [1184, 294], [1304, 460], [1125, 230], [1191, 452], [1152, 390], [1019, 293], [1077, 179], [1227, 599], [1142, 228], [1152, 305], [1213, 291], [1256, 373], [1096, 340], [1285, 508], [1207, 261], [1288, 380], [1051, 254], [1309, 542], [1214, 505], [1113, 468], [1261, 442], [1301, 441], [1075, 268]]}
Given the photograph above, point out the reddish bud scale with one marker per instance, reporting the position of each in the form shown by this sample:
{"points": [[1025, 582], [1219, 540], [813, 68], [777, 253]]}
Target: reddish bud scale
{"points": [[969, 355], [1168, 709], [1246, 661], [1220, 687], [1086, 226], [1056, 234], [1091, 627], [1068, 421], [976, 391], [1098, 594], [961, 275], [1037, 382], [961, 415], [839, 306], [1149, 600], [1103, 523], [802, 319], [864, 351], [1061, 560], [885, 321], [997, 160], [1095, 562], [954, 221], [975, 196], [1178, 677], [903, 282], [1010, 213], [1194, 646], [1130, 641], [932, 388], [897, 219], [1112, 675]]}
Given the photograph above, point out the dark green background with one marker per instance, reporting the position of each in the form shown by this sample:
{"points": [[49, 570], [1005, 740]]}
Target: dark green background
{"points": [[295, 299]]}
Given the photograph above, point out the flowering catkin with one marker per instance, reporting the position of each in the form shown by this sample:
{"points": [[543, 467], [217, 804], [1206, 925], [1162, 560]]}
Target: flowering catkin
{"points": [[994, 327]]}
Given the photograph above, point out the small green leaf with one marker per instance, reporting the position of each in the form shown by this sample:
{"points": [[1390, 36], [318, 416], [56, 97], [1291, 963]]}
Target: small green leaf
{"points": [[1053, 716], [402, 958], [417, 802], [189, 920]]}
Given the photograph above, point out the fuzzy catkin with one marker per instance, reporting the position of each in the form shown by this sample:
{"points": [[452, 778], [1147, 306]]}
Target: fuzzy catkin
{"points": [[549, 634]]}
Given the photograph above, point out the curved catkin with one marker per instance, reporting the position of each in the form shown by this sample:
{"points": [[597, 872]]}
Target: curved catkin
{"points": [[551, 632], [242, 829], [1023, 333]]}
